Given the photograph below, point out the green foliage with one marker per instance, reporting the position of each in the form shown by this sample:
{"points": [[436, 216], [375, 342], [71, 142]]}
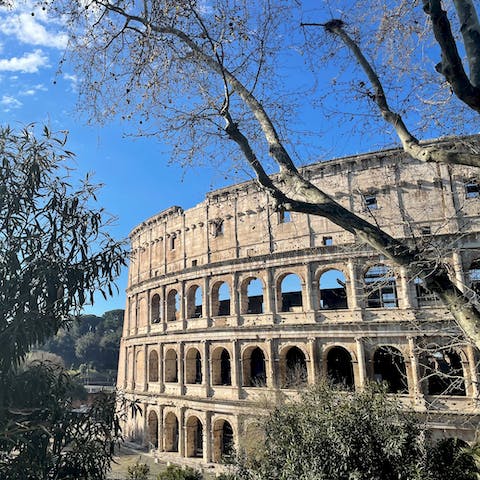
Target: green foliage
{"points": [[54, 251], [139, 471], [338, 436], [42, 436], [173, 472]]}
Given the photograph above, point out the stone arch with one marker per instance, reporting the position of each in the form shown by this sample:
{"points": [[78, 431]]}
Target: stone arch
{"points": [[444, 373], [290, 295], [293, 367], [171, 432], [221, 299], [380, 287], [193, 366], [221, 367], [171, 366], [194, 431], [152, 428], [155, 309], [389, 367], [173, 305], [333, 292], [251, 295], [194, 302], [254, 367], [153, 366], [223, 440], [340, 367]]}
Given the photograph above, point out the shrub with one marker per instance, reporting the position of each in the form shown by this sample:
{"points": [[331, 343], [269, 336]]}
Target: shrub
{"points": [[173, 472], [139, 471]]}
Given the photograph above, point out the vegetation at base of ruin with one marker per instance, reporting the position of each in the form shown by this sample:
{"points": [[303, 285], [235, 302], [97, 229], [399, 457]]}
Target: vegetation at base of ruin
{"points": [[55, 253], [90, 344], [138, 471], [42, 436], [365, 435], [230, 59], [174, 472]]}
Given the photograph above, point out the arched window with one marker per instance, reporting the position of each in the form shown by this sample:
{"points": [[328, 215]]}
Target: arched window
{"points": [[294, 369], [153, 429], [171, 366], [220, 299], [222, 440], [193, 366], [474, 277], [155, 308], [252, 296], [340, 368], [380, 287], [444, 373], [171, 433], [194, 437], [291, 293], [173, 306], [389, 367], [424, 296], [153, 366], [254, 371], [221, 367], [333, 295], [194, 302]]}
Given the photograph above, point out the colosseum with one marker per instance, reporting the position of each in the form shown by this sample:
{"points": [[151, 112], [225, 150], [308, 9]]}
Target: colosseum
{"points": [[231, 304]]}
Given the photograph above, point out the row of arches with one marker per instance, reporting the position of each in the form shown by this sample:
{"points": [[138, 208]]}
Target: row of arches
{"points": [[442, 370], [167, 437], [379, 291]]}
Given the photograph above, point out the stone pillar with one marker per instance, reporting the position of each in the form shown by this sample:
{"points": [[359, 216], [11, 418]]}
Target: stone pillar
{"points": [[269, 294], [161, 367], [404, 299], [235, 297], [473, 372], [207, 438], [182, 433], [362, 372], [206, 367], [145, 368], [236, 364], [308, 289], [414, 369], [181, 367], [272, 371], [183, 303], [458, 269], [163, 308], [313, 372], [206, 307], [160, 429], [352, 293]]}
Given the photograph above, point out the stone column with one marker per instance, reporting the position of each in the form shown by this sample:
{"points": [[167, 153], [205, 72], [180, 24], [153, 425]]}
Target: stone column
{"points": [[235, 297], [414, 367], [207, 438], [313, 373], [182, 433], [160, 429], [307, 287], [473, 372], [163, 308], [236, 365], [352, 294], [272, 372], [362, 372], [145, 368], [183, 303], [206, 307], [458, 268], [181, 367], [206, 367], [404, 300], [269, 294], [161, 367]]}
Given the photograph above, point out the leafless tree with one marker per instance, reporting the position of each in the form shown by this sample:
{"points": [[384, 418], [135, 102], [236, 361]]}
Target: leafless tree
{"points": [[201, 73]]}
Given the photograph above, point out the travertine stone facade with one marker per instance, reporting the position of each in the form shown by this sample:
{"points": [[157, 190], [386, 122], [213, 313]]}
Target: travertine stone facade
{"points": [[231, 302]]}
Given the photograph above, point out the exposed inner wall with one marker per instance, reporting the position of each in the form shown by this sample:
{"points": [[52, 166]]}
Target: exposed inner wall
{"points": [[201, 348]]}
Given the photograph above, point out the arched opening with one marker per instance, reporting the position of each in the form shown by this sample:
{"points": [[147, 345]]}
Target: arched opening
{"points": [[294, 369], [389, 367], [153, 366], [221, 367], [474, 277], [194, 302], [171, 433], [171, 366], [220, 299], [173, 306], [152, 425], [425, 297], [193, 366], [333, 294], [222, 440], [444, 373], [252, 296], [155, 308], [380, 287], [194, 437], [291, 293], [254, 371], [340, 368]]}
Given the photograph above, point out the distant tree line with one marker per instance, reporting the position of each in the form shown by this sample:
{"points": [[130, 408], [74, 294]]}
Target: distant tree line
{"points": [[91, 340]]}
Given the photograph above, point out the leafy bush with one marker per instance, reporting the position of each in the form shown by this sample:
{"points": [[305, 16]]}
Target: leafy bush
{"points": [[174, 472], [139, 471]]}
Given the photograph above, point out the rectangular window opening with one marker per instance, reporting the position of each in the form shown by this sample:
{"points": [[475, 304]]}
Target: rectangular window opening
{"points": [[371, 201], [327, 241], [284, 217], [472, 189]]}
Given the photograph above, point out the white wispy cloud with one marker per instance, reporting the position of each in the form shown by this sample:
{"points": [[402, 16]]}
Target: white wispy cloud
{"points": [[8, 103], [27, 63], [73, 79], [30, 30], [33, 89]]}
